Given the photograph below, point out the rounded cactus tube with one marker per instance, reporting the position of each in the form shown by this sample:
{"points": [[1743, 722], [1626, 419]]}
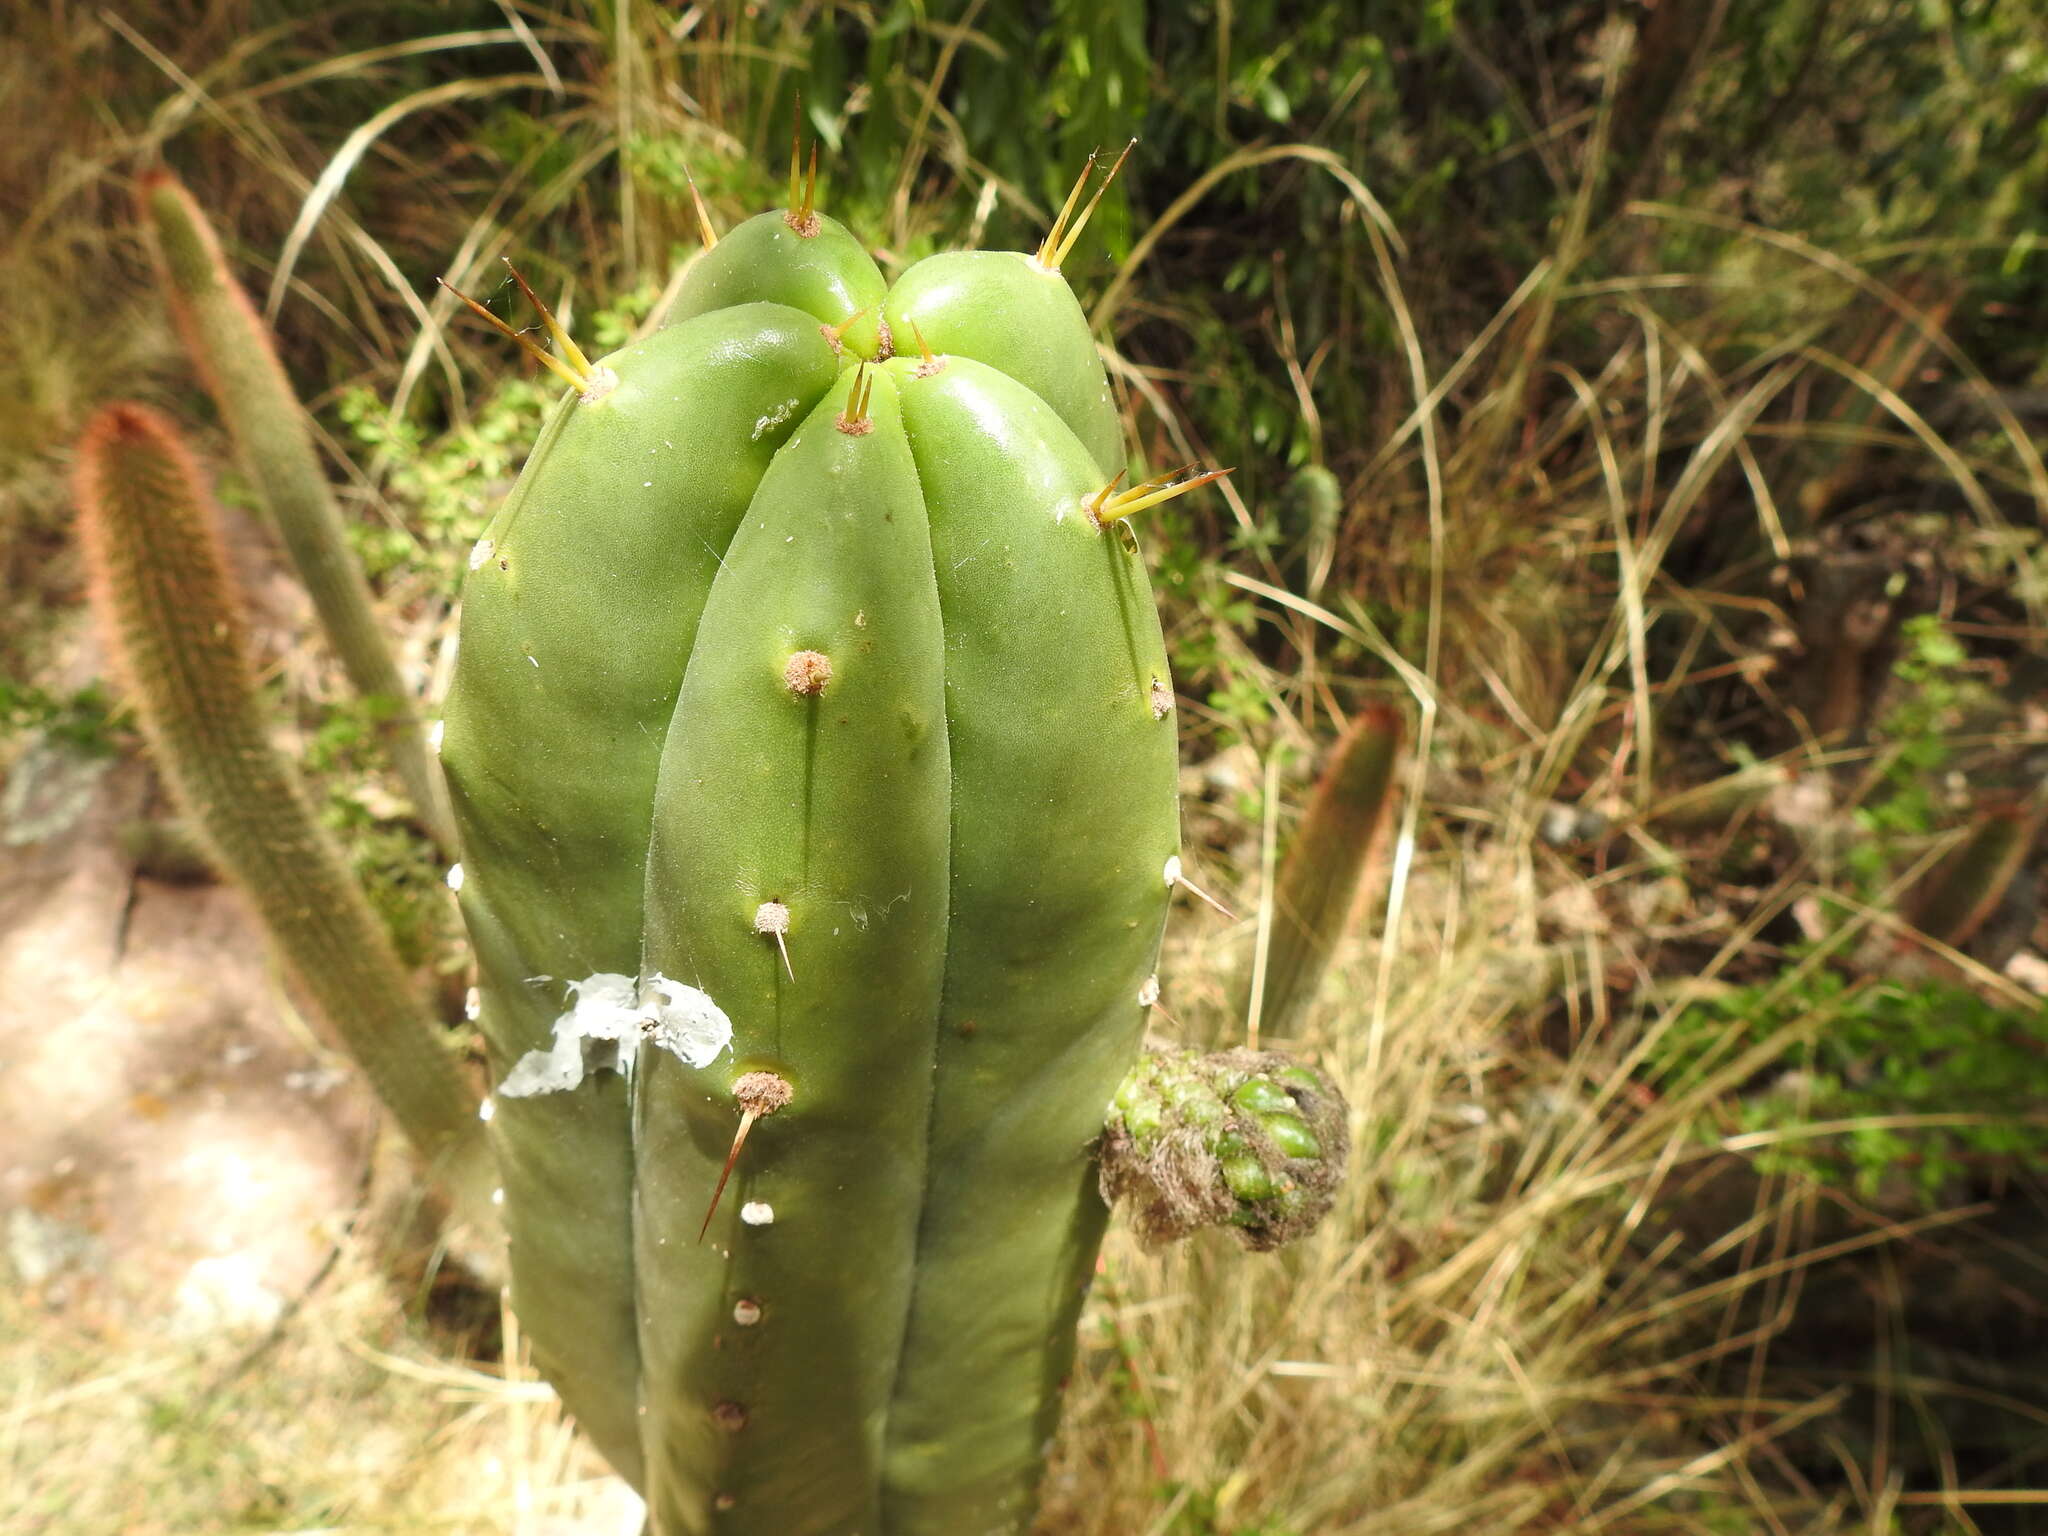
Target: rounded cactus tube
{"points": [[820, 270], [817, 810], [577, 620]]}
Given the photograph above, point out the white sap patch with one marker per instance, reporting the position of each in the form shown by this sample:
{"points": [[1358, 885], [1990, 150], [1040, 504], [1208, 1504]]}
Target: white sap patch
{"points": [[1172, 870], [1148, 993], [435, 733], [687, 1022], [763, 425], [481, 553], [610, 1017], [758, 1213], [455, 877]]}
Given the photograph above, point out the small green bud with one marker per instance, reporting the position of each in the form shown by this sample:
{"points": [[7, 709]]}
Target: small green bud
{"points": [[1290, 1133], [1261, 1096]]}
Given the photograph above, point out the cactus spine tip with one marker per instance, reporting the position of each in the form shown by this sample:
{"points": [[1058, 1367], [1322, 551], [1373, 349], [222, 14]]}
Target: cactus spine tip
{"points": [[1110, 505], [854, 420], [802, 214], [772, 920], [1176, 877], [1059, 240], [706, 230], [931, 362], [836, 334], [574, 369]]}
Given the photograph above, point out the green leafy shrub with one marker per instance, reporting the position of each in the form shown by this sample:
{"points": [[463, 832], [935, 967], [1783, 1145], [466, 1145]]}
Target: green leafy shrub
{"points": [[1945, 1083], [1930, 1081]]}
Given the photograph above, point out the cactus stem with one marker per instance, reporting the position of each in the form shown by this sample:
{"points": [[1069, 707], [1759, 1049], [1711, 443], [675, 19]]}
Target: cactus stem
{"points": [[561, 370], [1109, 504], [855, 421], [1176, 876], [803, 189], [835, 333], [758, 1094], [706, 230], [1059, 240], [773, 919]]}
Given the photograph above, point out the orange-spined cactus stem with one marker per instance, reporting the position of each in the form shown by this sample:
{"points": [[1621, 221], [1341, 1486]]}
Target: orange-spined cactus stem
{"points": [[160, 586], [1320, 880]]}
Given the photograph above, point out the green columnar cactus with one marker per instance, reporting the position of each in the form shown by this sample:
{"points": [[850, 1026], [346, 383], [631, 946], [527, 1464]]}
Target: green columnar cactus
{"points": [[160, 585], [231, 350], [812, 756], [1319, 882]]}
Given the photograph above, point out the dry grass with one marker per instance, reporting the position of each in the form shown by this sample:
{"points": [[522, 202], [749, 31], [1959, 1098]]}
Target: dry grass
{"points": [[1503, 1328], [348, 1419]]}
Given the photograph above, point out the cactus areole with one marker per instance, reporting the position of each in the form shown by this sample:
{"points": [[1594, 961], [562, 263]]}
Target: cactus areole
{"points": [[813, 755]]}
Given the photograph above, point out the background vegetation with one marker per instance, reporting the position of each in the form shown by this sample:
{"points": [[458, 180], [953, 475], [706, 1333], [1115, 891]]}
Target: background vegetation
{"points": [[1645, 399]]}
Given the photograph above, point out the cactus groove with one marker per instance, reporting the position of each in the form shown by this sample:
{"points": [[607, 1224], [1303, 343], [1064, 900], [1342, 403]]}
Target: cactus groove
{"points": [[795, 671]]}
